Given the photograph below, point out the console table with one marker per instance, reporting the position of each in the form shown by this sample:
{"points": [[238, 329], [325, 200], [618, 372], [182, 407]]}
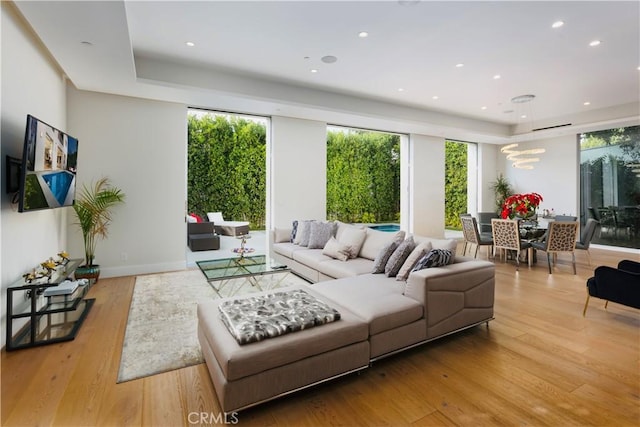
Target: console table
{"points": [[58, 319]]}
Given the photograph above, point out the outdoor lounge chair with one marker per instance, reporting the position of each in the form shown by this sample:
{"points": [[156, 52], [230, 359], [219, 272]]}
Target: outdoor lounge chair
{"points": [[228, 228]]}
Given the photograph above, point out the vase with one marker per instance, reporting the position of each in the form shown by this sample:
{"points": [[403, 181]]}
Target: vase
{"points": [[90, 272]]}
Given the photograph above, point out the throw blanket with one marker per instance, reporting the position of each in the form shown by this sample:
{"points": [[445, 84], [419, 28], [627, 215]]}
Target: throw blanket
{"points": [[253, 319]]}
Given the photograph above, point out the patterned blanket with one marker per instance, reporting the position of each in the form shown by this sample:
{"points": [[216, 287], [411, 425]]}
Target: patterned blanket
{"points": [[253, 319]]}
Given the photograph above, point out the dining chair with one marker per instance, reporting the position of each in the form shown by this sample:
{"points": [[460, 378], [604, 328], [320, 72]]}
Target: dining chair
{"points": [[484, 221], [586, 234], [565, 218], [473, 236], [506, 237], [561, 238]]}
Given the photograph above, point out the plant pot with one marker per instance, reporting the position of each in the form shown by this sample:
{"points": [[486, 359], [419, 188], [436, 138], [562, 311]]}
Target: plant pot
{"points": [[91, 272]]}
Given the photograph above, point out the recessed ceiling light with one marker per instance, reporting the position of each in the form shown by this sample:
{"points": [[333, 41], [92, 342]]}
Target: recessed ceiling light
{"points": [[557, 24], [329, 59], [524, 116], [484, 107], [639, 68], [460, 65], [497, 77], [314, 70], [435, 97], [400, 89], [586, 103], [595, 43], [190, 44], [363, 34]]}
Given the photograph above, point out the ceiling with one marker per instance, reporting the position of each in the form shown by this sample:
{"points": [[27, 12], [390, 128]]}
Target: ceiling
{"points": [[267, 50]]}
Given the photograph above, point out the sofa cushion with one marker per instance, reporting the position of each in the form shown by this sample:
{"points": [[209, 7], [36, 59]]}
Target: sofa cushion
{"points": [[287, 249], [383, 257], [376, 299], [336, 250], [238, 361], [352, 238], [376, 240], [310, 257], [399, 256], [350, 268], [420, 250], [320, 233]]}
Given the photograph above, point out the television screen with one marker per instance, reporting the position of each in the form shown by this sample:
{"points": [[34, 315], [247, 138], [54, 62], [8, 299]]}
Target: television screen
{"points": [[49, 164]]}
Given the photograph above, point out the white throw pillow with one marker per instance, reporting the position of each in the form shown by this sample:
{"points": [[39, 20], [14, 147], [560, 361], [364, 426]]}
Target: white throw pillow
{"points": [[334, 249], [421, 250], [353, 238], [376, 240]]}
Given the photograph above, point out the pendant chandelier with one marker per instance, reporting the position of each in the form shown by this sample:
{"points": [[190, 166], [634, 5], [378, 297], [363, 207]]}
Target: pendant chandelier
{"points": [[522, 159]]}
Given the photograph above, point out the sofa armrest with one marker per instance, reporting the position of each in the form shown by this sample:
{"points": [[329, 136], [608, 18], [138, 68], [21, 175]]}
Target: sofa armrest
{"points": [[444, 291]]}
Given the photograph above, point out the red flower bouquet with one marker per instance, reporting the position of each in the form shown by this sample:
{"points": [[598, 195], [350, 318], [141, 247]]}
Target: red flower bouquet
{"points": [[521, 205]]}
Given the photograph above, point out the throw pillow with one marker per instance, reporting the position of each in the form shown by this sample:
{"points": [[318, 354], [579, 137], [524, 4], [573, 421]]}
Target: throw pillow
{"points": [[294, 229], [304, 239], [320, 233], [353, 238], [334, 249], [383, 257], [435, 258], [398, 257], [421, 250], [376, 240], [281, 235], [302, 233]]}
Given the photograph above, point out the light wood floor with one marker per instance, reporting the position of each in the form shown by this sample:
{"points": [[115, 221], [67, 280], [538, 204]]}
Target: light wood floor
{"points": [[539, 363]]}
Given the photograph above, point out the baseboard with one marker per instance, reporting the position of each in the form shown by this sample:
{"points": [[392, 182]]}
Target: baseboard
{"points": [[134, 270]]}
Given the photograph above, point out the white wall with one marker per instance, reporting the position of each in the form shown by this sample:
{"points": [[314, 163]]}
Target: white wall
{"points": [[554, 177], [426, 188], [33, 84], [298, 170], [141, 146], [488, 170]]}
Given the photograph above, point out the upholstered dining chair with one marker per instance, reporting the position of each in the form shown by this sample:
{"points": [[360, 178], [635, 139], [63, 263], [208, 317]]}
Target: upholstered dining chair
{"points": [[484, 221], [506, 237], [560, 238], [586, 234], [565, 218], [473, 236]]}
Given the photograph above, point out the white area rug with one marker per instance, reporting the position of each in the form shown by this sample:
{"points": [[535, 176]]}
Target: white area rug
{"points": [[161, 333]]}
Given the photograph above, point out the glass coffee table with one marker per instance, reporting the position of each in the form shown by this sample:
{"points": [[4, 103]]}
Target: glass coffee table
{"points": [[222, 272]]}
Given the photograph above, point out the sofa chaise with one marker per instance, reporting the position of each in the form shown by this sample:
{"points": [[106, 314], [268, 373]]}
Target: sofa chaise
{"points": [[380, 316]]}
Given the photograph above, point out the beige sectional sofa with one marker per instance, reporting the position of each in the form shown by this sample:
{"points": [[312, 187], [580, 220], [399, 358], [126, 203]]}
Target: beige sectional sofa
{"points": [[380, 317]]}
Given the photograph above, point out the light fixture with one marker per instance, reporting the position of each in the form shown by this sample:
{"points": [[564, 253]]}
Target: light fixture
{"points": [[520, 158], [190, 44], [595, 43], [363, 34], [400, 89], [314, 70], [484, 107], [459, 65], [586, 103], [434, 97], [497, 77], [557, 24], [329, 59]]}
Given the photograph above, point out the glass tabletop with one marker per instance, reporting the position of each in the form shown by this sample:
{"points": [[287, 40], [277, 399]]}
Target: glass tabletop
{"points": [[228, 268]]}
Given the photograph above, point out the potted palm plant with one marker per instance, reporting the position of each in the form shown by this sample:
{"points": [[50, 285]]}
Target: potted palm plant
{"points": [[93, 210]]}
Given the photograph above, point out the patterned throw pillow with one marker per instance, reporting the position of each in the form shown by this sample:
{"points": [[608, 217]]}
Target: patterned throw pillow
{"points": [[334, 249], [399, 256], [320, 233], [294, 230], [435, 258], [383, 257], [421, 250]]}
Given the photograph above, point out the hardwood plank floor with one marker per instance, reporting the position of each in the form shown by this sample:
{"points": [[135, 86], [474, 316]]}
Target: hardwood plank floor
{"points": [[540, 362]]}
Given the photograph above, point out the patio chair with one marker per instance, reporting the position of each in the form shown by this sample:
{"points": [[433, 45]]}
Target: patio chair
{"points": [[228, 228]]}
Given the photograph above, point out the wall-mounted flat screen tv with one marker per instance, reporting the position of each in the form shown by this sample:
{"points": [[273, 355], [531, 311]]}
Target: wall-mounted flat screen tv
{"points": [[49, 165]]}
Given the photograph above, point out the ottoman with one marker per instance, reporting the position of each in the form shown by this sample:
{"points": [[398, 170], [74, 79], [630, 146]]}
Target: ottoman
{"points": [[245, 375]]}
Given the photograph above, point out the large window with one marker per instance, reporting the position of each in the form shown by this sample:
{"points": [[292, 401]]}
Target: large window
{"points": [[227, 166], [610, 184], [363, 176], [455, 183]]}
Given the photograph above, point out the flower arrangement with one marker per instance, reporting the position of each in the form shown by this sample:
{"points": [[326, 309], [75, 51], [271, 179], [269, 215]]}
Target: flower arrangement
{"points": [[521, 205]]}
